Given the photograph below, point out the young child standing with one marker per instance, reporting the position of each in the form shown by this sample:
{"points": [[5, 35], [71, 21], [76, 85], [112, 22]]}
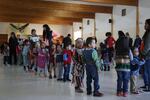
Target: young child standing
{"points": [[59, 62], [67, 57], [105, 57], [92, 62], [78, 68], [25, 54], [136, 64], [123, 58], [42, 61], [6, 53], [52, 62], [33, 57]]}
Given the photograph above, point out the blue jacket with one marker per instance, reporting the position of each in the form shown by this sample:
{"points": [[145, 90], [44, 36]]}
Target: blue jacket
{"points": [[136, 64]]}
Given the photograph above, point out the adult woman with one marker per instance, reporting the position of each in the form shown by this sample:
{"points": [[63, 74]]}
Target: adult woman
{"points": [[13, 42], [146, 55], [47, 34]]}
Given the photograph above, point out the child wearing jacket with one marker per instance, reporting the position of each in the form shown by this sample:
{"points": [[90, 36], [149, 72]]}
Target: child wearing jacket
{"points": [[136, 65], [67, 57], [92, 62]]}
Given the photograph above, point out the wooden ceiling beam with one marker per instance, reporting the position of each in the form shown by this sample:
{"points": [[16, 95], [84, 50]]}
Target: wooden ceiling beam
{"points": [[4, 10], [26, 19], [35, 4], [118, 2]]}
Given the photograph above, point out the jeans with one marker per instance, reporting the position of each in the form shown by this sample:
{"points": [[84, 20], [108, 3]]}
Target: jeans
{"points": [[25, 60], [66, 71], [147, 72], [20, 58], [123, 80], [6, 60], [60, 69], [92, 74]]}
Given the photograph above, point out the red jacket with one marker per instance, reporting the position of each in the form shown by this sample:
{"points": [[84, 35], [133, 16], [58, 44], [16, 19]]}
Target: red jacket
{"points": [[110, 41], [67, 56]]}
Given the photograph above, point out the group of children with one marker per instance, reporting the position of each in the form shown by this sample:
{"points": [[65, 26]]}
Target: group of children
{"points": [[45, 61]]}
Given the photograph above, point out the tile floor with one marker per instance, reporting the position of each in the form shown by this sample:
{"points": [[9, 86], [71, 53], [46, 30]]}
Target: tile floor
{"points": [[15, 84]]}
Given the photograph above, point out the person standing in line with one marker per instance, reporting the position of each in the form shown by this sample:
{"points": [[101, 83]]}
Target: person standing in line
{"points": [[13, 43], [146, 55], [123, 57], [92, 61], [78, 66], [67, 41], [47, 35]]}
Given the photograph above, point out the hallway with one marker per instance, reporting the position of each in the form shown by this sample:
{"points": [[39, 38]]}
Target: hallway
{"points": [[15, 84]]}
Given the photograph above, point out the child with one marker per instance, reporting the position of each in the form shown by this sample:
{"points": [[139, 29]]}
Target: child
{"points": [[33, 55], [25, 53], [67, 57], [42, 61], [136, 64], [123, 58], [52, 62], [91, 59], [105, 57], [59, 62], [6, 53], [78, 68]]}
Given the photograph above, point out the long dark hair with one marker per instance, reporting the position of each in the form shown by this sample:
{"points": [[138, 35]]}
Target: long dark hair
{"points": [[46, 33], [121, 34]]}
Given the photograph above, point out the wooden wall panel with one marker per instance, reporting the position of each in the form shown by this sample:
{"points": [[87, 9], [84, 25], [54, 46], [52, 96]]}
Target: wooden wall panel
{"points": [[3, 38]]}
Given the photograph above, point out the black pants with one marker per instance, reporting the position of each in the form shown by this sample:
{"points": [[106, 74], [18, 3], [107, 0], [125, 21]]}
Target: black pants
{"points": [[14, 55], [110, 53], [6, 60]]}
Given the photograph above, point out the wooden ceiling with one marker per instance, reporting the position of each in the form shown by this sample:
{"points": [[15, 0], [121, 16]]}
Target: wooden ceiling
{"points": [[118, 2], [39, 11]]}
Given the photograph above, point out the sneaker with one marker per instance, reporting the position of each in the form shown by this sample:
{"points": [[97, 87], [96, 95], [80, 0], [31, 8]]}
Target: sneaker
{"points": [[69, 80], [143, 87], [134, 92], [54, 76], [50, 76], [119, 94], [59, 79], [125, 94], [78, 90], [89, 93], [98, 94], [147, 89]]}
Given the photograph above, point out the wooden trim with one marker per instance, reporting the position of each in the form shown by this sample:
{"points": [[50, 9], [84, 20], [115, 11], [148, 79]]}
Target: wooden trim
{"points": [[112, 25], [118, 2], [137, 20]]}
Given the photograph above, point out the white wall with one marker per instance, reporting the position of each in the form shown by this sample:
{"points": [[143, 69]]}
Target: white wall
{"points": [[5, 28], [144, 13], [102, 25], [125, 23], [88, 30], [77, 32]]}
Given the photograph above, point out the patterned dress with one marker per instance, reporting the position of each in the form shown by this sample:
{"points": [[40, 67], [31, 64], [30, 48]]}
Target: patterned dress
{"points": [[78, 68]]}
